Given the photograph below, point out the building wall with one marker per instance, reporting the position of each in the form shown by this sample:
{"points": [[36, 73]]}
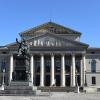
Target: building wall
{"points": [[89, 79], [90, 74]]}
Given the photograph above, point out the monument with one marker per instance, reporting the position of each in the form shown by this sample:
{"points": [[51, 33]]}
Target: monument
{"points": [[21, 84], [23, 52]]}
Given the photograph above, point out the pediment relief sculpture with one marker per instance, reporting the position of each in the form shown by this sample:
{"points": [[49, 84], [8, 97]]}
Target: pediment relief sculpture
{"points": [[50, 41]]}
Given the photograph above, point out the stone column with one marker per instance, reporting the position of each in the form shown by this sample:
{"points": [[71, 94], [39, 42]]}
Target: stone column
{"points": [[84, 69], [73, 71], [11, 68], [31, 67], [42, 71], [81, 73], [62, 70], [52, 70]]}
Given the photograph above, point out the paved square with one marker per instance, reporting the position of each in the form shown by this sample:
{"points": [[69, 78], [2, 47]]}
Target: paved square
{"points": [[55, 96]]}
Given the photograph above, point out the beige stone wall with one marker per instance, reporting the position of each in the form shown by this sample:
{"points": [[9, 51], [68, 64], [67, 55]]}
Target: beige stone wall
{"points": [[89, 74]]}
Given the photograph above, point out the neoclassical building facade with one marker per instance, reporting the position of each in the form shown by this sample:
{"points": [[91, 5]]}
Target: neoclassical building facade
{"points": [[57, 58]]}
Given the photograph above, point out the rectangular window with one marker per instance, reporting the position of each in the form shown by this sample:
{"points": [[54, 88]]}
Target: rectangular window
{"points": [[93, 80], [93, 66]]}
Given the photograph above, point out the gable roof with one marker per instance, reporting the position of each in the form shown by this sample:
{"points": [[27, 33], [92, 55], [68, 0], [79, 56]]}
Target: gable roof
{"points": [[51, 26]]}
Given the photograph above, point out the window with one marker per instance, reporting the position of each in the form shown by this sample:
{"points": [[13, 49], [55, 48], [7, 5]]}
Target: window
{"points": [[93, 52], [52, 29], [93, 66], [93, 80], [4, 52]]}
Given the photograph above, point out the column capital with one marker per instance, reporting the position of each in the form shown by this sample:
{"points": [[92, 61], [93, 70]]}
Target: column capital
{"points": [[42, 54], [63, 54], [31, 54], [11, 54], [73, 54], [52, 54], [83, 54]]}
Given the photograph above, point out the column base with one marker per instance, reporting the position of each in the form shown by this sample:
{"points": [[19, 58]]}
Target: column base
{"points": [[41, 86], [53, 85], [62, 86]]}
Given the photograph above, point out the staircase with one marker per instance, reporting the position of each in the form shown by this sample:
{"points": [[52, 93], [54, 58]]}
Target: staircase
{"points": [[19, 88], [56, 89]]}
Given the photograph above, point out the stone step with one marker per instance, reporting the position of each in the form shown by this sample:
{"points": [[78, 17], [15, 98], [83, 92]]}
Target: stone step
{"points": [[56, 89], [19, 83], [18, 88], [18, 92]]}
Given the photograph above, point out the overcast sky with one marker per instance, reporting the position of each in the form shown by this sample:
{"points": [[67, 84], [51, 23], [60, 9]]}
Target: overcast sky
{"points": [[81, 15]]}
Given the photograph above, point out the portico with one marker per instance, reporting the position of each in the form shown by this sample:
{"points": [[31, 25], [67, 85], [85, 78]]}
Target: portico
{"points": [[60, 69]]}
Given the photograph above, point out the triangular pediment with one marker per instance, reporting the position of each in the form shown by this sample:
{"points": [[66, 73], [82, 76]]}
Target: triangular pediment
{"points": [[49, 39], [52, 27]]}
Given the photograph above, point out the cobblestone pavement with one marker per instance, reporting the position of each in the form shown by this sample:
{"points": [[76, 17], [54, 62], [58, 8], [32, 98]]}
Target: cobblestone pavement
{"points": [[55, 96]]}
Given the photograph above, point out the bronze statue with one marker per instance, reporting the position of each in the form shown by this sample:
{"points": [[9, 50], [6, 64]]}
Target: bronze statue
{"points": [[23, 49]]}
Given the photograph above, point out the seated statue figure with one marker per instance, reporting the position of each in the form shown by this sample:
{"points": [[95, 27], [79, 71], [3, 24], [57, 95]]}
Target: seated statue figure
{"points": [[23, 48]]}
